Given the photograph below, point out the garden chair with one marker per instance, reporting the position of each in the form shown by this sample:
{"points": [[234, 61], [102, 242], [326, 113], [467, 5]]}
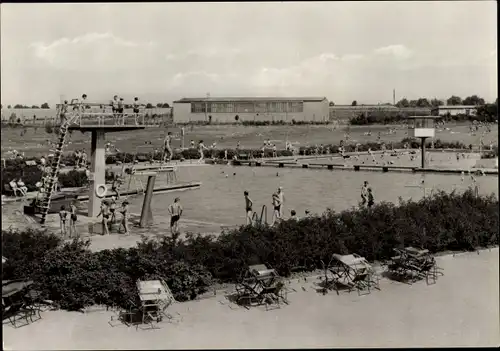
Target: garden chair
{"points": [[130, 316], [246, 292], [273, 295], [14, 188], [351, 271], [18, 311], [413, 264]]}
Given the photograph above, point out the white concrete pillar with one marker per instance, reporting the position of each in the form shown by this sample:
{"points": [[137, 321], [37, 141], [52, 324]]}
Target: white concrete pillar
{"points": [[98, 170]]}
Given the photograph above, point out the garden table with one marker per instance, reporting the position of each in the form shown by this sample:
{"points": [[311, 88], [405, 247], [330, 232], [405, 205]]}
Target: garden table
{"points": [[352, 271], [256, 279], [155, 296], [12, 287], [262, 275]]}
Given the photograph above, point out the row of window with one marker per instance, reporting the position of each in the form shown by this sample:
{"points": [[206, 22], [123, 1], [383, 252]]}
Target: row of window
{"points": [[247, 107]]}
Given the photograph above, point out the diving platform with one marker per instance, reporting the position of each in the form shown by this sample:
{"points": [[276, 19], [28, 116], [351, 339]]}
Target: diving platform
{"points": [[99, 119]]}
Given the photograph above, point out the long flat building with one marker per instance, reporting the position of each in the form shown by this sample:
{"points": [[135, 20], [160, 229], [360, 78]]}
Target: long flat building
{"points": [[234, 109]]}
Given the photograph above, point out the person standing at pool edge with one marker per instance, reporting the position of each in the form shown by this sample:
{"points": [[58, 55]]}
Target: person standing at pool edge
{"points": [[201, 147], [364, 193], [282, 200], [248, 208], [167, 149], [370, 198], [63, 216], [175, 211], [276, 208]]}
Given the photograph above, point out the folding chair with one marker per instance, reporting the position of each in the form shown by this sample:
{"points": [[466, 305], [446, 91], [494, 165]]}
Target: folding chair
{"points": [[246, 291], [273, 295], [15, 189], [351, 271], [131, 315], [18, 311], [413, 264]]}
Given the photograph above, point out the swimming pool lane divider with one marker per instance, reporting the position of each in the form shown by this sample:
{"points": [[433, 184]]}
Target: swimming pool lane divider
{"points": [[331, 166]]}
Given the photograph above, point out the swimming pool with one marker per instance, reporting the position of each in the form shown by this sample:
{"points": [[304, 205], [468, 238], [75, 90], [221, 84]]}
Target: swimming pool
{"points": [[220, 199]]}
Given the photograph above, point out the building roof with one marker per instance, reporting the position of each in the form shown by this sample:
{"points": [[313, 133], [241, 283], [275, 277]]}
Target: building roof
{"points": [[359, 107], [248, 99], [453, 107]]}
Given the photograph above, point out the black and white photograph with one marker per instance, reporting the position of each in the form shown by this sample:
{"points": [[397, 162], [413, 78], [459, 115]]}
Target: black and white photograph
{"points": [[212, 175]]}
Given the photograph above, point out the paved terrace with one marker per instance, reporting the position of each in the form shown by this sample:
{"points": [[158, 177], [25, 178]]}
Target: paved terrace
{"points": [[462, 309]]}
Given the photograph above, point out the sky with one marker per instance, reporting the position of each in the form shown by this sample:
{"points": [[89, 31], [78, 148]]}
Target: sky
{"points": [[161, 52]]}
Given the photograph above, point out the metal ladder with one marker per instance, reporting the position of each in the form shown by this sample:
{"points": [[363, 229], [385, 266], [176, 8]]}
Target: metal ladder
{"points": [[53, 172]]}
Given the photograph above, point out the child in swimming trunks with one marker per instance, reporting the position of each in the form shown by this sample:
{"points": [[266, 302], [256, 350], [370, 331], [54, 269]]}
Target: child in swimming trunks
{"points": [[125, 214], [105, 213], [112, 210], [72, 220], [63, 216]]}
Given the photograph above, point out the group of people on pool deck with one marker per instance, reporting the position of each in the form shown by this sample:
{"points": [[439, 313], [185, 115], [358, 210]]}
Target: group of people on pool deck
{"points": [[367, 199], [277, 203], [108, 213]]}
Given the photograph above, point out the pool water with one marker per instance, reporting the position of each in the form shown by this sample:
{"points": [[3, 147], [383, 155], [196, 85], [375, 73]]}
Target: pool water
{"points": [[220, 199]]}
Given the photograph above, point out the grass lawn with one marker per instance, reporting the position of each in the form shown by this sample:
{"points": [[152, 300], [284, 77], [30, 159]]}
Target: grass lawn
{"points": [[35, 142]]}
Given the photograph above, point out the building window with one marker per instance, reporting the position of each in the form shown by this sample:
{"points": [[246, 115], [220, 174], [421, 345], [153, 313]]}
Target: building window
{"points": [[245, 107], [201, 107]]}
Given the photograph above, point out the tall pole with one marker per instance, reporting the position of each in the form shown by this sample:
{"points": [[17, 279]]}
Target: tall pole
{"points": [[423, 152], [206, 106], [394, 96]]}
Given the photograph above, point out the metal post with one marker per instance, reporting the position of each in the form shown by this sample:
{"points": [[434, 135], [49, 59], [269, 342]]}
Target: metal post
{"points": [[423, 152], [146, 213], [97, 169]]}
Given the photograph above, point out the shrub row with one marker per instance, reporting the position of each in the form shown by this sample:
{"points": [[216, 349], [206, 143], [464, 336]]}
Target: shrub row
{"points": [[75, 277], [487, 113]]}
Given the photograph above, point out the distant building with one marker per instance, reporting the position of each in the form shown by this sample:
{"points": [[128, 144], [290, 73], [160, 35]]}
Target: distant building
{"points": [[232, 109], [344, 112], [454, 110]]}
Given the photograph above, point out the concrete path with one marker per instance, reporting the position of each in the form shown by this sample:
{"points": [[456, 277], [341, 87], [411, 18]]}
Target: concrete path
{"points": [[461, 309]]}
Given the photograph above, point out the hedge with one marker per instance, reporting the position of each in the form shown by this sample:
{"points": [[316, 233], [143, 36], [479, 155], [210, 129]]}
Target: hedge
{"points": [[74, 277], [487, 113]]}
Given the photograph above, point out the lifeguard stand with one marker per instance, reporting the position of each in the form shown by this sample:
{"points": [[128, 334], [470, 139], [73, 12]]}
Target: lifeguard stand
{"points": [[98, 119], [423, 127]]}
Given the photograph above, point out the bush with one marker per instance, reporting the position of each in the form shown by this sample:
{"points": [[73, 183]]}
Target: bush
{"points": [[75, 277], [16, 169], [385, 117], [73, 179]]}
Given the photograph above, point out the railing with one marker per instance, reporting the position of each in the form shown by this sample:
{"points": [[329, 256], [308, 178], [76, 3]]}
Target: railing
{"points": [[93, 114]]}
